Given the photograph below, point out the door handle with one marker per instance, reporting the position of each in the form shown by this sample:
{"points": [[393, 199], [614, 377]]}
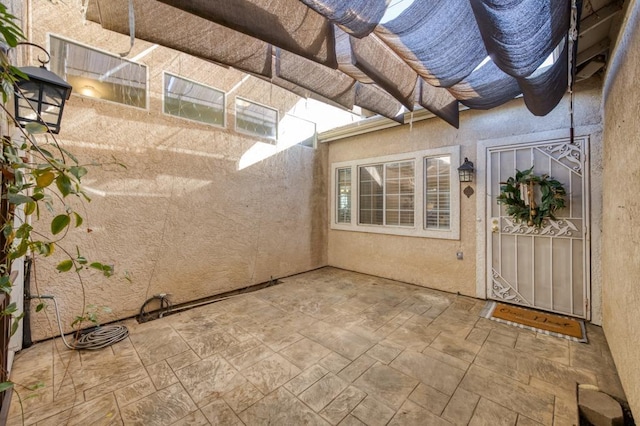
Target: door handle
{"points": [[495, 224]]}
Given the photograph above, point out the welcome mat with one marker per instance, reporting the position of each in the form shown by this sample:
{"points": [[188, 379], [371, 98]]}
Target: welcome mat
{"points": [[542, 322]]}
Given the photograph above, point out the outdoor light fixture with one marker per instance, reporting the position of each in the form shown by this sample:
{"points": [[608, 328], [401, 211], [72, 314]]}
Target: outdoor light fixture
{"points": [[40, 98], [466, 171]]}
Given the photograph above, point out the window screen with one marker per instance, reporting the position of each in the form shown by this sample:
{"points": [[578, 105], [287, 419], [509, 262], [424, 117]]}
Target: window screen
{"points": [[99, 75], [256, 119], [193, 101]]}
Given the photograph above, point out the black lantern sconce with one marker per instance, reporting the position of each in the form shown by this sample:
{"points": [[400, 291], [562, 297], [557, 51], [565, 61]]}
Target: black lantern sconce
{"points": [[466, 171], [41, 97]]}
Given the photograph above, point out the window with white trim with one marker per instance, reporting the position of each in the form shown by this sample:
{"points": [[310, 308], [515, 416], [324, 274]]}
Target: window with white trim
{"points": [[256, 119], [343, 178], [193, 101], [97, 74], [405, 194], [438, 192], [386, 194]]}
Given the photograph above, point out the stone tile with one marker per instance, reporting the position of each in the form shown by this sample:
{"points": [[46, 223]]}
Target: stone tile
{"points": [[384, 331], [321, 393], [111, 381], [209, 376], [305, 379], [456, 324], [155, 343], [561, 421], [100, 411], [566, 408], [552, 372], [351, 421], [240, 348], [503, 337], [569, 393], [237, 332], [41, 405], [304, 353], [540, 345], [373, 412], [192, 419], [161, 374], [192, 326], [161, 408], [610, 383], [429, 398], [459, 348], [205, 345], [219, 413], [134, 391], [385, 352], [489, 413], [356, 368], [334, 362], [433, 372], [280, 408], [525, 421], [406, 336], [477, 336], [250, 357], [243, 396], [517, 396], [344, 342], [387, 384], [501, 360], [279, 340], [271, 373], [411, 414], [182, 360], [123, 348], [461, 407], [342, 405], [446, 358], [352, 306]]}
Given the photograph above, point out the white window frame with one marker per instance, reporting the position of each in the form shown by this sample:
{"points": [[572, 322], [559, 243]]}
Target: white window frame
{"points": [[419, 228], [224, 100], [105, 52], [246, 132]]}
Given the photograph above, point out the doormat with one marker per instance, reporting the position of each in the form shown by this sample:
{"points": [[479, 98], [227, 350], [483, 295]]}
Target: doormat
{"points": [[542, 322]]}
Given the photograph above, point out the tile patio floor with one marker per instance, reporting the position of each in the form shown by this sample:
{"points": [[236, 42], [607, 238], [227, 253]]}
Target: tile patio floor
{"points": [[324, 347]]}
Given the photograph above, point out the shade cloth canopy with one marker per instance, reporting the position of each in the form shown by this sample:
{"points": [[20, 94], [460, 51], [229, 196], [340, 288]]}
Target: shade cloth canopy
{"points": [[380, 55]]}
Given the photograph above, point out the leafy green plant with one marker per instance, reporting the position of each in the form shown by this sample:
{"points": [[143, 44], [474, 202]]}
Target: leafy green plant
{"points": [[90, 315], [517, 194], [37, 176]]}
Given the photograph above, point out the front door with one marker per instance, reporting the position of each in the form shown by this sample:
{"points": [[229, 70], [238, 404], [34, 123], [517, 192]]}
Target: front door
{"points": [[546, 267]]}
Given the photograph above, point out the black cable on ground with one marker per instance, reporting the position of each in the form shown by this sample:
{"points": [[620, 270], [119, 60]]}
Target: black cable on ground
{"points": [[165, 307]]}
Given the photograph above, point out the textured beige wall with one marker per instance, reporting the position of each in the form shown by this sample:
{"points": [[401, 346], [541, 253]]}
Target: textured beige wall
{"points": [[621, 222], [432, 262], [181, 219]]}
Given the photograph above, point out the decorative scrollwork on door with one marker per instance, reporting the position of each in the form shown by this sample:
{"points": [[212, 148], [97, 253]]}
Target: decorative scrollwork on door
{"points": [[568, 154], [501, 289], [550, 227]]}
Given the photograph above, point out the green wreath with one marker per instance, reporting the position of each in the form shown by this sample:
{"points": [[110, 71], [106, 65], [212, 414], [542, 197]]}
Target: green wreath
{"points": [[518, 195]]}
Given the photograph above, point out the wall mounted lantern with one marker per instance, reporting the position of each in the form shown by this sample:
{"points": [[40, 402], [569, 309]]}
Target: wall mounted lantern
{"points": [[466, 171], [40, 97]]}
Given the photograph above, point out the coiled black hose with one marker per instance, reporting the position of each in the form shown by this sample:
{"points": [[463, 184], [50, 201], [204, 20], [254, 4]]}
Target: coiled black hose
{"points": [[165, 306]]}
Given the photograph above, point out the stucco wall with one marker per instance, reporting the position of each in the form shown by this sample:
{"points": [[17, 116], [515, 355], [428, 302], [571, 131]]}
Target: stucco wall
{"points": [[432, 262], [621, 222], [181, 218]]}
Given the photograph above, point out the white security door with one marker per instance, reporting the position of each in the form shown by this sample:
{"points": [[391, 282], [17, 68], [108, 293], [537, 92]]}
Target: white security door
{"points": [[547, 267]]}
